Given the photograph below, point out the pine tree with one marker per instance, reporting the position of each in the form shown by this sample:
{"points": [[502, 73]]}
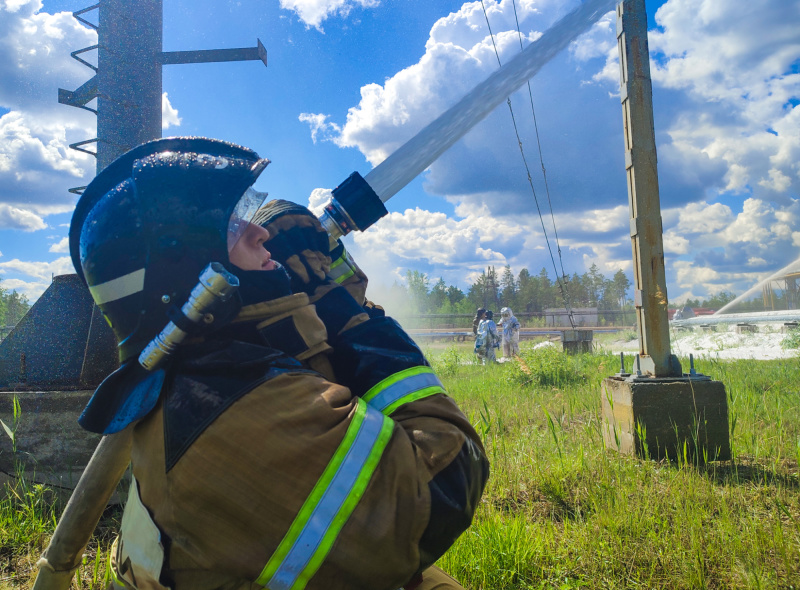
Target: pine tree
{"points": [[508, 286]]}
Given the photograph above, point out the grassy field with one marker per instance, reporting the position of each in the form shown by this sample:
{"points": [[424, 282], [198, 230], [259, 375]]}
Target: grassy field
{"points": [[560, 510]]}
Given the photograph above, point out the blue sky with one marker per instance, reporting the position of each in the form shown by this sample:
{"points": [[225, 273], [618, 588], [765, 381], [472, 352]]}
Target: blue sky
{"points": [[350, 80]]}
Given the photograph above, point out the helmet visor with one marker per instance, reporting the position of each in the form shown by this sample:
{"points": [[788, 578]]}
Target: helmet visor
{"points": [[251, 201]]}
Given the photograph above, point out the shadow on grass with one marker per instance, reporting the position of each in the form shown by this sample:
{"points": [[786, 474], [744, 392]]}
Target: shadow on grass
{"points": [[550, 501], [742, 472]]}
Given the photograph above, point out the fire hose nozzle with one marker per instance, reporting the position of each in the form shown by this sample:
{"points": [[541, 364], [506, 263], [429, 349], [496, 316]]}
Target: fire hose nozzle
{"points": [[354, 206]]}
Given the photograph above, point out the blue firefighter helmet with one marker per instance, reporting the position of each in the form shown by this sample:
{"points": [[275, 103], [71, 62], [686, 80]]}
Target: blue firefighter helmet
{"points": [[147, 226]]}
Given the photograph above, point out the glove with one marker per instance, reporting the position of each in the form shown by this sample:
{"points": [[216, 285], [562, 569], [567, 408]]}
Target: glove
{"points": [[299, 242]]}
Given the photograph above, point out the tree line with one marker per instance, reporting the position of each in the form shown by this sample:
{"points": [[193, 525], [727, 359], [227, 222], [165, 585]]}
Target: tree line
{"points": [[524, 292], [13, 307]]}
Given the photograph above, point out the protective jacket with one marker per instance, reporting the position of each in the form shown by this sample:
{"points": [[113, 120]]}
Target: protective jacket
{"points": [[261, 472], [510, 325], [487, 341]]}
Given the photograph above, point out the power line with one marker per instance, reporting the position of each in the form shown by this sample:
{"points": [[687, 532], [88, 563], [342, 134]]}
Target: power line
{"points": [[559, 278]]}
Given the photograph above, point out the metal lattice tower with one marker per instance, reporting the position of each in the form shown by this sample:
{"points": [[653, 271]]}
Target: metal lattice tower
{"points": [[127, 80]]}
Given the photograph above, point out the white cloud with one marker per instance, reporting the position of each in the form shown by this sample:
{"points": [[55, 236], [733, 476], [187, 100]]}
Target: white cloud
{"points": [[597, 220], [36, 164], [722, 250], [435, 243], [35, 56], [318, 199], [702, 218], [314, 12], [485, 168], [39, 270], [169, 114], [458, 54], [320, 126], [30, 289], [60, 247], [733, 59], [15, 218]]}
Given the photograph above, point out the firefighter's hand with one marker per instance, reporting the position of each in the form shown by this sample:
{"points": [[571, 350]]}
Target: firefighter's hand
{"points": [[299, 242]]}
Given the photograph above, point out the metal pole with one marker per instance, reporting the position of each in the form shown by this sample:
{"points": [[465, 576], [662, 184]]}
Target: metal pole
{"points": [[650, 290], [128, 76]]}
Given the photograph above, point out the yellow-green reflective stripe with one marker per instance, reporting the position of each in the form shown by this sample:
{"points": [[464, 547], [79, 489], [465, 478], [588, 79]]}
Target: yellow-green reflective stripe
{"points": [[347, 269], [350, 503], [341, 267], [412, 397], [339, 260], [330, 503], [345, 276], [403, 387], [313, 498]]}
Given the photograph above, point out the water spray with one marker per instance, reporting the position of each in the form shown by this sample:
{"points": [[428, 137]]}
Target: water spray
{"points": [[358, 202]]}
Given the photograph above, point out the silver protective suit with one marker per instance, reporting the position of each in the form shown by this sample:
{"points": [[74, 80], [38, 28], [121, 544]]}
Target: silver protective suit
{"points": [[510, 333]]}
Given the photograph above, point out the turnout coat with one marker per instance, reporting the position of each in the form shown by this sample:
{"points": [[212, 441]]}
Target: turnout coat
{"points": [[258, 471]]}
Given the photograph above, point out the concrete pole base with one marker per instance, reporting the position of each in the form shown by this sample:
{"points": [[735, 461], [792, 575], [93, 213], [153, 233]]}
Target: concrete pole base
{"points": [[576, 341], [671, 418]]}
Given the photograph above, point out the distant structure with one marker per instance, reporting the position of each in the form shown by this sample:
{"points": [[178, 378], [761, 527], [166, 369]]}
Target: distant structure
{"points": [[788, 282], [63, 342], [561, 317], [127, 79]]}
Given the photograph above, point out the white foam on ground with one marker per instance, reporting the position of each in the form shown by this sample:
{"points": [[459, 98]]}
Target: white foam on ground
{"points": [[724, 344]]}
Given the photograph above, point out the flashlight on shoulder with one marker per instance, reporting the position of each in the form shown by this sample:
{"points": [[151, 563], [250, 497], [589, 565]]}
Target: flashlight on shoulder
{"points": [[216, 285]]}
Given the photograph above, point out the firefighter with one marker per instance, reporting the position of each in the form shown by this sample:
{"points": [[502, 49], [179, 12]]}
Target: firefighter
{"points": [[510, 326], [479, 314], [280, 444], [488, 340]]}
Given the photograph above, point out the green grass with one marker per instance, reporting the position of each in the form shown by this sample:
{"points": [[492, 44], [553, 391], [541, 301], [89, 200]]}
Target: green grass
{"points": [[28, 516], [560, 510]]}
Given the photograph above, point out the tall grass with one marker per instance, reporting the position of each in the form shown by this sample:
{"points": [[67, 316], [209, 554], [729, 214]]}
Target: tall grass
{"points": [[29, 513], [562, 511]]}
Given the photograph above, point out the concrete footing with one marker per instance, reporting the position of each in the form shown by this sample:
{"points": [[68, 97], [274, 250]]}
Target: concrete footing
{"points": [[673, 418], [789, 327], [577, 341], [51, 447], [746, 328]]}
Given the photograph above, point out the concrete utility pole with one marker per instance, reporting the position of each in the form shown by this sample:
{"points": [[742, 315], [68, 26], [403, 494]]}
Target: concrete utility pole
{"points": [[127, 80], [641, 166], [655, 410]]}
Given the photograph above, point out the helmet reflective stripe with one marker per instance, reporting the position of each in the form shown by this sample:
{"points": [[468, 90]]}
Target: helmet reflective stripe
{"points": [[118, 288], [403, 387], [342, 268], [330, 503]]}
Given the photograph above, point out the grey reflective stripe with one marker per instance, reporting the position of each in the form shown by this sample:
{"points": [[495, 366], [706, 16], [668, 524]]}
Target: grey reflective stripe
{"points": [[352, 472], [118, 288], [401, 389]]}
